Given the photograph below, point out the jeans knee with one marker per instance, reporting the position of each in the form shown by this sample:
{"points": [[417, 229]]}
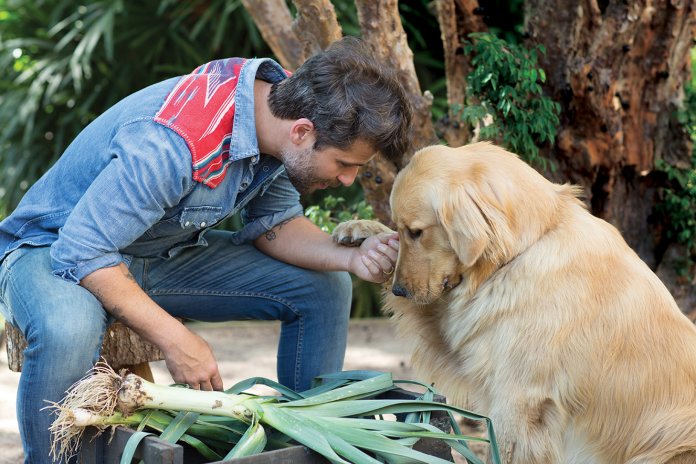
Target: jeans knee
{"points": [[336, 288], [66, 344]]}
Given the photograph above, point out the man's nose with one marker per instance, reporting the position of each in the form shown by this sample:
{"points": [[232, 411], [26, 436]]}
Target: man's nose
{"points": [[347, 177]]}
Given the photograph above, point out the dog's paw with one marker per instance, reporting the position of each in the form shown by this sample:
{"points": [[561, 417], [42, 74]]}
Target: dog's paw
{"points": [[354, 232]]}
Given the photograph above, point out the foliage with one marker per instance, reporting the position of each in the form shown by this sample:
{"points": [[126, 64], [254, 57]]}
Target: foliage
{"points": [[64, 62], [679, 197], [327, 214], [334, 210], [504, 18], [505, 98]]}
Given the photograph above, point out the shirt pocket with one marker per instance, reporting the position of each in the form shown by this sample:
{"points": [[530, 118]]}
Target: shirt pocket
{"points": [[189, 220]]}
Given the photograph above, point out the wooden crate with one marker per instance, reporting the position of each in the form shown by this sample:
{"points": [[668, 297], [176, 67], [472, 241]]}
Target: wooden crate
{"points": [[107, 450]]}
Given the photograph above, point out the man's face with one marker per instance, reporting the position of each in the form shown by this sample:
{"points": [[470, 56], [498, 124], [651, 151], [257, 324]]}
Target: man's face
{"points": [[311, 170]]}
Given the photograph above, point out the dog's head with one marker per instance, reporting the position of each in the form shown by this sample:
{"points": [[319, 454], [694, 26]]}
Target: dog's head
{"points": [[463, 212]]}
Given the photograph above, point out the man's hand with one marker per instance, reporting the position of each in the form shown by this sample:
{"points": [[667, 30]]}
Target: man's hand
{"points": [[303, 244], [375, 260], [188, 357], [190, 360]]}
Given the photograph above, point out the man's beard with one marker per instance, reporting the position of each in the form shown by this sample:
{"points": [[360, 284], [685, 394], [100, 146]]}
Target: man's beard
{"points": [[301, 172]]}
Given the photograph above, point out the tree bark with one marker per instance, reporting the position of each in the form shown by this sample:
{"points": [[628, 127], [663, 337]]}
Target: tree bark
{"points": [[457, 20], [274, 21], [381, 28], [122, 348], [316, 25], [617, 68]]}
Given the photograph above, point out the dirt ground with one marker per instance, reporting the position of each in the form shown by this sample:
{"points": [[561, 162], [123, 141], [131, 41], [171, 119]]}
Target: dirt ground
{"points": [[244, 349]]}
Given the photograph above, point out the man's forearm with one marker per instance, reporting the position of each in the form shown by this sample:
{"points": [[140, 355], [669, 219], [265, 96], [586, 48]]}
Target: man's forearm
{"points": [[188, 357], [303, 244], [119, 293], [308, 246]]}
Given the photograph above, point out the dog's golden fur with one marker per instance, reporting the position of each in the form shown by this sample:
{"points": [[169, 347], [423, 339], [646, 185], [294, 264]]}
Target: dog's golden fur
{"points": [[528, 309]]}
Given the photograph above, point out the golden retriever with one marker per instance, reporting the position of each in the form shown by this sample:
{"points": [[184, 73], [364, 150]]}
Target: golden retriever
{"points": [[530, 310]]}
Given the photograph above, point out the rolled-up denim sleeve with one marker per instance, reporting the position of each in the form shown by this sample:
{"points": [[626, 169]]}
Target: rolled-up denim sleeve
{"points": [[279, 203], [149, 170]]}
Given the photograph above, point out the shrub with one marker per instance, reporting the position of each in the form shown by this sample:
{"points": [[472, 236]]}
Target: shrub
{"points": [[505, 99]]}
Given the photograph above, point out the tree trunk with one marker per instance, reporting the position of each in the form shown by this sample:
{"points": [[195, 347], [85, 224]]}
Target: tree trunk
{"points": [[382, 29], [618, 69], [274, 21], [457, 20]]}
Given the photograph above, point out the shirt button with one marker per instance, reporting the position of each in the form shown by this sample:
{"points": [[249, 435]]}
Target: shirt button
{"points": [[187, 223], [244, 185], [203, 224]]}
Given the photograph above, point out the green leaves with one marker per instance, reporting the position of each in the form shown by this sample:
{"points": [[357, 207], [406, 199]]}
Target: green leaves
{"points": [[679, 196], [252, 442], [62, 63], [341, 419], [330, 211], [327, 212], [505, 98]]}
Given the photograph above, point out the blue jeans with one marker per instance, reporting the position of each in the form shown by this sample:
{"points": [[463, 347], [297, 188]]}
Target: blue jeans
{"points": [[64, 323]]}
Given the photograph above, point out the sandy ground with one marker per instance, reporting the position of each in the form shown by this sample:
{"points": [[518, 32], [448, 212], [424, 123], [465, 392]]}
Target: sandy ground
{"points": [[243, 350]]}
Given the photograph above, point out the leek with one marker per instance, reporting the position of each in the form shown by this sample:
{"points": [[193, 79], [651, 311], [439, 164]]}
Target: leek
{"points": [[336, 419]]}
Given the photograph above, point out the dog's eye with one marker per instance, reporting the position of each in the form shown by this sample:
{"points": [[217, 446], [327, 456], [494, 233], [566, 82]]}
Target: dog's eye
{"points": [[414, 233]]}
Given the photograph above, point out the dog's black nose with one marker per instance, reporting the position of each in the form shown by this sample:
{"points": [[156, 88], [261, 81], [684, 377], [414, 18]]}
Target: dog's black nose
{"points": [[400, 290]]}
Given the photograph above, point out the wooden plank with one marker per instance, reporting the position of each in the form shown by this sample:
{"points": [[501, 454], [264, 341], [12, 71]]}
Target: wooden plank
{"points": [[106, 449], [293, 455]]}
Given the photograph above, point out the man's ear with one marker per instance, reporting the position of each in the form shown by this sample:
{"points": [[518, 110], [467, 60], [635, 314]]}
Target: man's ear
{"points": [[301, 131]]}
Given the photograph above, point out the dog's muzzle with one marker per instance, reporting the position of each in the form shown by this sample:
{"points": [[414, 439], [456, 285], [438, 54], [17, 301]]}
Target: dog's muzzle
{"points": [[400, 290]]}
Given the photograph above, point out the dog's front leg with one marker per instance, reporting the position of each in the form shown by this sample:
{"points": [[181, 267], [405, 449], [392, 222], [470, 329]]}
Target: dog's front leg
{"points": [[529, 431], [354, 232]]}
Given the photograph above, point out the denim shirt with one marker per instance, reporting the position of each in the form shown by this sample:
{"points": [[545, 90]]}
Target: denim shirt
{"points": [[124, 187]]}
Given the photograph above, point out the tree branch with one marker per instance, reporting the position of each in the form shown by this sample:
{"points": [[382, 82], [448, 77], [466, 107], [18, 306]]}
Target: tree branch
{"points": [[457, 20], [274, 21], [316, 25]]}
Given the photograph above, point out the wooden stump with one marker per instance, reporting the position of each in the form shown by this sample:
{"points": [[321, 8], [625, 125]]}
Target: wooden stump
{"points": [[122, 348]]}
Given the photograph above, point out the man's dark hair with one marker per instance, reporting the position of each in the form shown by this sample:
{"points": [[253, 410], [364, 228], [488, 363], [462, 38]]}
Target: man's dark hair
{"points": [[348, 95]]}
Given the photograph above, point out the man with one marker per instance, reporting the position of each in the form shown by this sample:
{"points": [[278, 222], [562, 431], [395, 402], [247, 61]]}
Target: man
{"points": [[118, 227]]}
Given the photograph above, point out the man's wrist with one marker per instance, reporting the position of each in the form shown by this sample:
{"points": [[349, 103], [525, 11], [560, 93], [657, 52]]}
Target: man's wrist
{"points": [[167, 332]]}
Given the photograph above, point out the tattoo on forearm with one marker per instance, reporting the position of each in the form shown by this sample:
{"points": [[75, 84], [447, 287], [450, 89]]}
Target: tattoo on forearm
{"points": [[118, 314], [97, 293], [271, 234]]}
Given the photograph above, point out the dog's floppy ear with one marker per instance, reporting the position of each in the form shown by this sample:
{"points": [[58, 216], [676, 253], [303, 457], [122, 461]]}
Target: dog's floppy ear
{"points": [[472, 220]]}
